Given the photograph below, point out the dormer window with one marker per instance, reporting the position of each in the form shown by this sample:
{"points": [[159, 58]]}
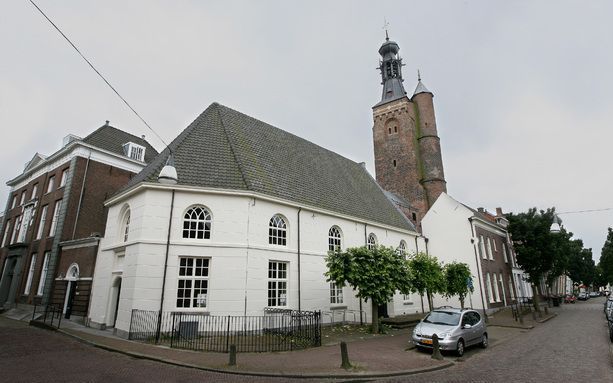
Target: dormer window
{"points": [[134, 151]]}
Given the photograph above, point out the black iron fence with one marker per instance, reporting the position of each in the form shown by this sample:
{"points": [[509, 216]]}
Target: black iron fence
{"points": [[50, 315], [276, 330]]}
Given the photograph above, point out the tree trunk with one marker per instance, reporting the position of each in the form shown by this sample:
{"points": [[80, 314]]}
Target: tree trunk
{"points": [[422, 303], [535, 298], [429, 300], [462, 303], [375, 316]]}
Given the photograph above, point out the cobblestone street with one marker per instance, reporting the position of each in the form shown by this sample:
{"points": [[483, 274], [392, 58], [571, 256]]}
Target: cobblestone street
{"points": [[572, 347]]}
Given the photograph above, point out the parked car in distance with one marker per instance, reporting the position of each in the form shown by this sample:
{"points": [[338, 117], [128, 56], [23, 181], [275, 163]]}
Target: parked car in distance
{"points": [[455, 328], [594, 294], [569, 298], [608, 308], [582, 296]]}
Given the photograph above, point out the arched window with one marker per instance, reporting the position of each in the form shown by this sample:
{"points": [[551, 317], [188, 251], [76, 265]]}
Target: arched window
{"points": [[334, 238], [402, 248], [197, 223], [277, 231], [372, 241], [126, 226]]}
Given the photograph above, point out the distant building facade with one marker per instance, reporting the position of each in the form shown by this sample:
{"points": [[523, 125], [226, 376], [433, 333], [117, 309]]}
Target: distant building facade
{"points": [[55, 217]]}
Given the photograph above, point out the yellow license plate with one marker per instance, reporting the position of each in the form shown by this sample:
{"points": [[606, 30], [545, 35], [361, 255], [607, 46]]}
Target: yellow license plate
{"points": [[427, 341]]}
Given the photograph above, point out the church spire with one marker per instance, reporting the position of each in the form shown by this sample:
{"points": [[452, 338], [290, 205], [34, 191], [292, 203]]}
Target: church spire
{"points": [[421, 88], [390, 67]]}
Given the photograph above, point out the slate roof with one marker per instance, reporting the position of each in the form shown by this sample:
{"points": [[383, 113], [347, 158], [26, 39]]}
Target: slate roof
{"points": [[112, 139], [421, 88], [226, 149]]}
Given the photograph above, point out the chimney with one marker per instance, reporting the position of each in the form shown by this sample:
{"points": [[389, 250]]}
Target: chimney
{"points": [[107, 123], [499, 212], [481, 210]]}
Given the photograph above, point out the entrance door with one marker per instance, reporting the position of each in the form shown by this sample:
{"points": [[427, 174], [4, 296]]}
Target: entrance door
{"points": [[382, 310], [118, 293], [6, 280], [71, 288]]}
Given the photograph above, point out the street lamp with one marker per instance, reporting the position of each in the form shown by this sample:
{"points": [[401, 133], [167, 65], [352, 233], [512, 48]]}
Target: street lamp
{"points": [[555, 226]]}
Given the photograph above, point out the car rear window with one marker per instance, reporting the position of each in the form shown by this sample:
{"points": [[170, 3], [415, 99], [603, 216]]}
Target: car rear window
{"points": [[443, 317]]}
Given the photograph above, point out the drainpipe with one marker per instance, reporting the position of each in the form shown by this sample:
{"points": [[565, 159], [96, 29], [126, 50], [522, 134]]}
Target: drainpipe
{"points": [[74, 229], [299, 296], [416, 246], [365, 244], [159, 327], [480, 274]]}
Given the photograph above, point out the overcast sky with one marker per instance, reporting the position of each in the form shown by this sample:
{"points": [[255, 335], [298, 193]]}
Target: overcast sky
{"points": [[523, 89]]}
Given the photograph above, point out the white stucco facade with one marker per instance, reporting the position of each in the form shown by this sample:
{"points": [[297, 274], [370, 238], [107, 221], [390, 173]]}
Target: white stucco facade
{"points": [[238, 254]]}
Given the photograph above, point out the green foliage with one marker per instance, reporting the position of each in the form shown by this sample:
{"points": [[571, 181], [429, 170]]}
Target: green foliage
{"points": [[374, 274], [457, 276], [606, 258], [426, 274]]}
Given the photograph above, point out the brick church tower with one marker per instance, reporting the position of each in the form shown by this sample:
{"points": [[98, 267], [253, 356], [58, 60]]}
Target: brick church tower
{"points": [[408, 160]]}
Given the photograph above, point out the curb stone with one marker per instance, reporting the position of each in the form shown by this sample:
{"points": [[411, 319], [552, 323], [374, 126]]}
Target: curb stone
{"points": [[260, 374]]}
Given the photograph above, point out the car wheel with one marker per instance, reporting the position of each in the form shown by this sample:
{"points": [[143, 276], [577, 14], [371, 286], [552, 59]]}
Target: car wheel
{"points": [[460, 348], [484, 340]]}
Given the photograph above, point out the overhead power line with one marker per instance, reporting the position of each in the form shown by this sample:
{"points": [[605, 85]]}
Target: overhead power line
{"points": [[98, 73], [585, 211]]}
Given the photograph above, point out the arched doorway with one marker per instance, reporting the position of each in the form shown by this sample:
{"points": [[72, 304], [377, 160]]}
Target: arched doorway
{"points": [[72, 276], [114, 302]]}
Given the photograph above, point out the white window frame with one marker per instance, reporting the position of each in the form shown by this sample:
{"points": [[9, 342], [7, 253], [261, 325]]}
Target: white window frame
{"points": [[489, 249], [64, 178], [25, 223], [50, 184], [278, 284], [494, 244], [26, 291], [54, 219], [197, 223], [134, 151], [42, 222], [495, 286], [6, 232], [482, 247], [23, 198], [336, 294], [488, 288], [43, 274], [126, 225], [16, 228], [277, 230], [402, 248], [14, 203], [197, 271], [371, 242], [335, 239], [504, 253], [34, 191]]}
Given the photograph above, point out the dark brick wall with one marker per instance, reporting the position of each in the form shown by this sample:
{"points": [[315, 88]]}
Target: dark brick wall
{"points": [[497, 265]]}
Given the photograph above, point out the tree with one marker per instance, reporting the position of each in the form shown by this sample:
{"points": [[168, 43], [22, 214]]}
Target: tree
{"points": [[606, 258], [427, 277], [374, 274], [458, 281], [532, 241]]}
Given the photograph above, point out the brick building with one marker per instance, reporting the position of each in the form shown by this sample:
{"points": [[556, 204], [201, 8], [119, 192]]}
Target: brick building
{"points": [[55, 216], [408, 161]]}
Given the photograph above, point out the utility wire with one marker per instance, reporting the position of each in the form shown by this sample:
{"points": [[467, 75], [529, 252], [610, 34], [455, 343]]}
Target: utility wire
{"points": [[585, 211], [99, 74]]}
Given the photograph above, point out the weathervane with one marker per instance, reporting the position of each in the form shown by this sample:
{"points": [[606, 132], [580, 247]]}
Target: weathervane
{"points": [[418, 75], [386, 26]]}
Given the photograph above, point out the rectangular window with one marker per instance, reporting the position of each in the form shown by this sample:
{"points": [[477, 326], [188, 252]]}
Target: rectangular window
{"points": [[5, 237], [64, 177], [489, 249], [56, 214], [23, 198], [16, 229], [43, 274], [488, 287], [14, 203], [277, 284], [482, 247], [193, 282], [25, 223], [34, 191], [43, 221], [504, 253], [336, 294], [30, 275], [50, 184], [495, 287], [494, 243]]}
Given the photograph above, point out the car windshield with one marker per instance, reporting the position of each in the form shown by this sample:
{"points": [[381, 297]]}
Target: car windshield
{"points": [[443, 317]]}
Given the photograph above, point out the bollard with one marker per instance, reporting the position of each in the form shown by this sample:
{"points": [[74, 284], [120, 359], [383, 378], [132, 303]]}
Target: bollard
{"points": [[521, 318], [436, 349], [533, 315], [232, 361], [546, 311], [345, 357]]}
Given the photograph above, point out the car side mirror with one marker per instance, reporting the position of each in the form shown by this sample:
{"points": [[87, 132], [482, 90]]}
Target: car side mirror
{"points": [[467, 326]]}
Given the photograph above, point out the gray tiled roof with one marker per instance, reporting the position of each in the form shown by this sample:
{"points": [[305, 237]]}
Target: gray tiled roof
{"points": [[112, 139], [224, 148]]}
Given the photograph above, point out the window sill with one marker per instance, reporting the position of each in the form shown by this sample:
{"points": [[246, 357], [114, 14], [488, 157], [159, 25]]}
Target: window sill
{"points": [[191, 311], [338, 307], [407, 303]]}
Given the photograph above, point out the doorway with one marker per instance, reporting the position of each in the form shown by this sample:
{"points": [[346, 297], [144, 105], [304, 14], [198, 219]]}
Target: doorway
{"points": [[72, 277], [114, 301]]}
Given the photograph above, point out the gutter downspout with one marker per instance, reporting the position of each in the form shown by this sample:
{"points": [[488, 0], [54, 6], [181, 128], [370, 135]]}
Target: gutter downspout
{"points": [[299, 296], [472, 231], [159, 327], [74, 229], [366, 244]]}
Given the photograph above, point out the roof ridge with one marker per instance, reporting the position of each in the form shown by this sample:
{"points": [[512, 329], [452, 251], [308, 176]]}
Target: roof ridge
{"points": [[225, 132]]}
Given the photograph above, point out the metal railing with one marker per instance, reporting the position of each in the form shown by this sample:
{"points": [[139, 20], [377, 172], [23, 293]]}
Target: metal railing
{"points": [[51, 315], [343, 315], [276, 330]]}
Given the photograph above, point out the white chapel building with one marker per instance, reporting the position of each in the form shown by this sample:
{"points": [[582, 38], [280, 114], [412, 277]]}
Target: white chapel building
{"points": [[245, 224]]}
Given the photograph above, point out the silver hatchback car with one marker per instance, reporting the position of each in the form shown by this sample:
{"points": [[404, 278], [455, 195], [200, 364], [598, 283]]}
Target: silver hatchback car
{"points": [[456, 329]]}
